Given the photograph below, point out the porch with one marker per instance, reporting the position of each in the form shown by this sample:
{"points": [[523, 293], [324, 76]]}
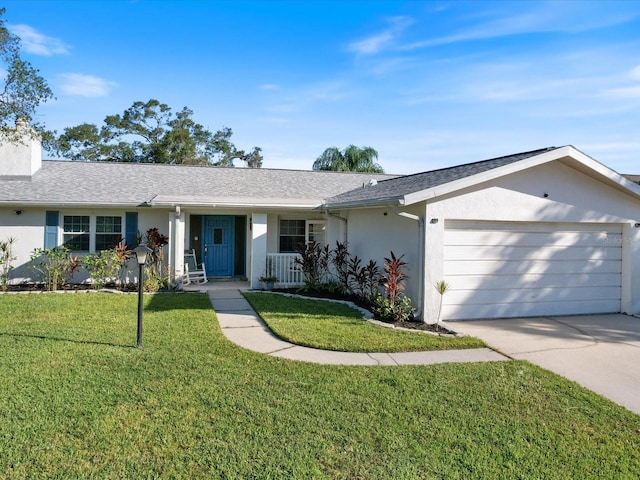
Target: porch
{"points": [[284, 267]]}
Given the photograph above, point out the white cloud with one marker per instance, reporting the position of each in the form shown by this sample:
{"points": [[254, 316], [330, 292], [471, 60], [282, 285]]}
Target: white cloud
{"points": [[305, 97], [37, 43], [378, 42], [85, 85], [635, 73], [545, 17], [624, 92]]}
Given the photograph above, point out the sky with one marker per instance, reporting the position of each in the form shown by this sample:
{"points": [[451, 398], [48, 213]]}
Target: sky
{"points": [[428, 84]]}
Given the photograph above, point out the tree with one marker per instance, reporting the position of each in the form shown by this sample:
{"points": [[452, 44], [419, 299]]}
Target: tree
{"points": [[351, 159], [24, 89], [151, 133]]}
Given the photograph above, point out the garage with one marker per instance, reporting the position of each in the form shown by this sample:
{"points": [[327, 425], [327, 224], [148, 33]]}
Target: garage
{"points": [[516, 269]]}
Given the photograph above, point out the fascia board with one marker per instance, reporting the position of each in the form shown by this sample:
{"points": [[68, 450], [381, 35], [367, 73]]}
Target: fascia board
{"points": [[626, 185], [58, 205], [381, 202], [451, 187], [167, 201]]}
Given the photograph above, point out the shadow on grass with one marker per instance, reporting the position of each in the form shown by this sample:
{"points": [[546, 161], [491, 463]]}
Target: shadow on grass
{"points": [[165, 301], [68, 340]]}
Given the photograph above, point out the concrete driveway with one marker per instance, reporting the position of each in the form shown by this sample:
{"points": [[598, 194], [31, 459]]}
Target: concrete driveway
{"points": [[600, 352]]}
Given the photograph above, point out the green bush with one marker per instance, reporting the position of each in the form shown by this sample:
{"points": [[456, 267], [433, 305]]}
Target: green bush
{"points": [[6, 259], [103, 267], [399, 311], [57, 265]]}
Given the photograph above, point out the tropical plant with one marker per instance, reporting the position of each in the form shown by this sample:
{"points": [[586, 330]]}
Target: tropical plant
{"points": [[103, 267], [441, 287], [362, 280], [351, 159], [340, 260], [156, 275], [393, 305], [314, 262], [55, 264], [399, 311], [124, 254], [6, 260], [394, 277]]}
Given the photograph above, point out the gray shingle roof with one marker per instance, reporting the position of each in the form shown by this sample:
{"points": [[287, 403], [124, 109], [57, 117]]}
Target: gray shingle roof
{"points": [[396, 188], [633, 178], [126, 184]]}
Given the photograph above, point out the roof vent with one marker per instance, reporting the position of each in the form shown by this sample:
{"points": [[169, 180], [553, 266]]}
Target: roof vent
{"points": [[373, 182]]}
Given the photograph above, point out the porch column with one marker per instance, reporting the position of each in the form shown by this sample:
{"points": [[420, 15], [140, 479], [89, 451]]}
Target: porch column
{"points": [[176, 247], [258, 247]]}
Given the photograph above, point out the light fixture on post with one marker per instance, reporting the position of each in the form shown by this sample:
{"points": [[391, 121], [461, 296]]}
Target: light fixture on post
{"points": [[141, 252]]}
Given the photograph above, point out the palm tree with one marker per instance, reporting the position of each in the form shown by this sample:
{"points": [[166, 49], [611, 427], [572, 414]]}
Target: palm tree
{"points": [[351, 159]]}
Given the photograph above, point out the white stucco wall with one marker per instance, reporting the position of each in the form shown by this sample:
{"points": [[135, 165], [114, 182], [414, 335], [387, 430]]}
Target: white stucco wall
{"points": [[374, 232], [571, 197], [21, 158], [28, 230]]}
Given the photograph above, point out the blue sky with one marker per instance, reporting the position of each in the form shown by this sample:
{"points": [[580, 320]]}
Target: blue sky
{"points": [[428, 84]]}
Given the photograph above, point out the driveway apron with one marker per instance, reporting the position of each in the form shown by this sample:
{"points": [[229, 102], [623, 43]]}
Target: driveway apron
{"points": [[600, 352]]}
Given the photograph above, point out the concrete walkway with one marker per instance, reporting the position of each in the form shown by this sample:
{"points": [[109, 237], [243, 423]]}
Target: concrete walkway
{"points": [[242, 325]]}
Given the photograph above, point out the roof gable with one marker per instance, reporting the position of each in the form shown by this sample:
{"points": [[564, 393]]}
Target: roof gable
{"points": [[412, 189]]}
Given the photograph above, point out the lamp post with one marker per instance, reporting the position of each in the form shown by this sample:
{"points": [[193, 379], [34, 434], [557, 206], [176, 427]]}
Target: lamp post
{"points": [[141, 255]]}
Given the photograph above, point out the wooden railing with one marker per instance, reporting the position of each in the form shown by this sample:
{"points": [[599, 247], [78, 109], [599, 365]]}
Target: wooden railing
{"points": [[284, 267]]}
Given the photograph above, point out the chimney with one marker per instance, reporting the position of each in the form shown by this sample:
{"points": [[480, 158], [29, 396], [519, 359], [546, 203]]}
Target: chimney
{"points": [[20, 152]]}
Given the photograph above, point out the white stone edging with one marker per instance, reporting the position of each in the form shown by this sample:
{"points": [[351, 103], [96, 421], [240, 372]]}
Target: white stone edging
{"points": [[366, 314]]}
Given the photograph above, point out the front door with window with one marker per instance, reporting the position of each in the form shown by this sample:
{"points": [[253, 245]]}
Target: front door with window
{"points": [[218, 236]]}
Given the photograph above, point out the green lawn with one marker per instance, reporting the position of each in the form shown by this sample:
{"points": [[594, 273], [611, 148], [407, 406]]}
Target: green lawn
{"points": [[80, 401], [335, 326]]}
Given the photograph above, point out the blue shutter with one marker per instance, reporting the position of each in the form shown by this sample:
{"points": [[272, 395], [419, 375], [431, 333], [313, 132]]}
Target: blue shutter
{"points": [[131, 229], [52, 219]]}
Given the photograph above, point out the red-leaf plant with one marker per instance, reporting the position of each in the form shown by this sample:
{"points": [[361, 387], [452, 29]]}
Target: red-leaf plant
{"points": [[394, 277]]}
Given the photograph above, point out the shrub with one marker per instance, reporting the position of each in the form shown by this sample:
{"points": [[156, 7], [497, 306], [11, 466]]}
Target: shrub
{"points": [[6, 259], [400, 311], [55, 264], [314, 262], [340, 260], [156, 276], [103, 267], [393, 305]]}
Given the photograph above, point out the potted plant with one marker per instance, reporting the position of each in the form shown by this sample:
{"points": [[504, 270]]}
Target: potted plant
{"points": [[268, 279]]}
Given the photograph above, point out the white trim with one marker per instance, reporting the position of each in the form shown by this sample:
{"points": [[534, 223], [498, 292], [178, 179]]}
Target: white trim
{"points": [[567, 152]]}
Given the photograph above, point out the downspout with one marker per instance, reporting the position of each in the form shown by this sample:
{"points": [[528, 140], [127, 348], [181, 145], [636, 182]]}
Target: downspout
{"points": [[346, 230], [421, 239]]}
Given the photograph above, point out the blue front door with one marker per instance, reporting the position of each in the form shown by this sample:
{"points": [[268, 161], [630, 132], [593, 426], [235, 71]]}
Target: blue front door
{"points": [[218, 233]]}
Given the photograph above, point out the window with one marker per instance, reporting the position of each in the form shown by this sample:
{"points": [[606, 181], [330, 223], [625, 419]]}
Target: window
{"points": [[75, 232], [294, 233], [316, 232], [108, 232], [91, 233]]}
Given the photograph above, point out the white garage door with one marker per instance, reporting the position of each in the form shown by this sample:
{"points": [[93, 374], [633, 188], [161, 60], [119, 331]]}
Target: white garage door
{"points": [[511, 269]]}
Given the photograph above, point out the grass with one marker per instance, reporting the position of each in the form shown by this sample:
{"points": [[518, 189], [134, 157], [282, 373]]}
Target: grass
{"points": [[335, 326], [80, 401]]}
